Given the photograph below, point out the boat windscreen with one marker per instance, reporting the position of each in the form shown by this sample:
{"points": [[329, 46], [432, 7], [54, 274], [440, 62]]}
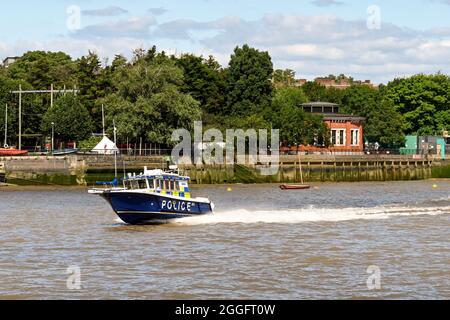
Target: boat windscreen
{"points": [[173, 186], [142, 184]]}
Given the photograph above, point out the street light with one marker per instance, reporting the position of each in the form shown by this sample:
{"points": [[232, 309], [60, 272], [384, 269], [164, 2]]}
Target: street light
{"points": [[53, 137]]}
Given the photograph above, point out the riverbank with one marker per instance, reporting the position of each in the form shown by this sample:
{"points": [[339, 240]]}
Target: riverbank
{"points": [[434, 185], [15, 187], [86, 170]]}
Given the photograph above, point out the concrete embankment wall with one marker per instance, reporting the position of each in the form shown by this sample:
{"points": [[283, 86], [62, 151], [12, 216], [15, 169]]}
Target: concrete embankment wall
{"points": [[45, 170], [73, 169], [85, 170], [321, 169]]}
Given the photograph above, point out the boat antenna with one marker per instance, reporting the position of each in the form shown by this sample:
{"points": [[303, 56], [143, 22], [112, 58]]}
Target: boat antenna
{"points": [[300, 165], [124, 170], [6, 127], [115, 150]]}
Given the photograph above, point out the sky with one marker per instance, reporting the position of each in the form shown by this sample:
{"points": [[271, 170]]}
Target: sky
{"points": [[376, 40]]}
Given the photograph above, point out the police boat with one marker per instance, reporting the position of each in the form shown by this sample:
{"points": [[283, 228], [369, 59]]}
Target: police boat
{"points": [[153, 197]]}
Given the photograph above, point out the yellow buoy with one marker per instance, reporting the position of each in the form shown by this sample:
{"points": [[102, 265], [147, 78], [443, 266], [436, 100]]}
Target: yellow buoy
{"points": [[435, 186], [229, 189]]}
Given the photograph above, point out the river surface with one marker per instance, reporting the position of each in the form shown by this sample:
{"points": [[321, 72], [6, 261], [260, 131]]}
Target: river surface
{"points": [[337, 241]]}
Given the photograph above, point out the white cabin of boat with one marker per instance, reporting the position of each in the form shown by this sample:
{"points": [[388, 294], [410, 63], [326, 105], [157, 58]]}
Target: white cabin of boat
{"points": [[158, 181]]}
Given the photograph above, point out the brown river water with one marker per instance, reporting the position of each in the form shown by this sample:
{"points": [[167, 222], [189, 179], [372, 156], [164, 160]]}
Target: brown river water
{"points": [[261, 243]]}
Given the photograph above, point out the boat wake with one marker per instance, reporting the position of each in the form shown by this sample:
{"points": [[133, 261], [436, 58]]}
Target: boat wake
{"points": [[311, 214]]}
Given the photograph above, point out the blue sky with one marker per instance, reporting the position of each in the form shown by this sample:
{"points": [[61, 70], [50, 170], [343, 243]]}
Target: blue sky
{"points": [[312, 37]]}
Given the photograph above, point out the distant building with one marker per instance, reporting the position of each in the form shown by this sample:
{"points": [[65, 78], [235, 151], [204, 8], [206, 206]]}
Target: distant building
{"points": [[300, 82], [9, 61], [446, 136], [340, 84], [343, 83], [426, 145], [332, 83], [346, 131]]}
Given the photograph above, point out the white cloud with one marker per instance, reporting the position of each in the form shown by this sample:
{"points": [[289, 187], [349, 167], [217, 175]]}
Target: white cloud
{"points": [[311, 45], [441, 1], [133, 27], [321, 45], [326, 3], [157, 11], [105, 12]]}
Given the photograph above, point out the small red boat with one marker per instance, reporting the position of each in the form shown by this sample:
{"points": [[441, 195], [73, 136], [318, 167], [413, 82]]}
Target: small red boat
{"points": [[295, 187], [12, 152]]}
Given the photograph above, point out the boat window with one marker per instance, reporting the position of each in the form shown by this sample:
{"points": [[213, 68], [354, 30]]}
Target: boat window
{"points": [[142, 184], [150, 183], [134, 184], [158, 184]]}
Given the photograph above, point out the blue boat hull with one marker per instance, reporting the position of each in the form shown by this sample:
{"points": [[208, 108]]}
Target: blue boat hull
{"points": [[145, 208]]}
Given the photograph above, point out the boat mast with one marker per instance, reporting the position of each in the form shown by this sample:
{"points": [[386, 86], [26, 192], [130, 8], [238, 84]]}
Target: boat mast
{"points": [[300, 164], [115, 151], [103, 119], [6, 126]]}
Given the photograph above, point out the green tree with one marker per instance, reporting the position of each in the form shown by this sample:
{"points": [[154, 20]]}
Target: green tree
{"points": [[118, 62], [41, 69], [89, 143], [317, 92], [249, 81], [283, 78], [288, 96], [383, 123], [253, 121], [147, 101], [33, 107], [204, 81], [297, 126], [314, 91], [6, 86], [71, 119], [94, 82], [38, 70], [385, 126], [423, 101]]}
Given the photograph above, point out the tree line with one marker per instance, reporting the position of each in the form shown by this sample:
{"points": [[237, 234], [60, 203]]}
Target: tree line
{"points": [[153, 93]]}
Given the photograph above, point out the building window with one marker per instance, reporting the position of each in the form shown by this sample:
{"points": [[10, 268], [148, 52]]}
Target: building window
{"points": [[338, 137], [354, 137]]}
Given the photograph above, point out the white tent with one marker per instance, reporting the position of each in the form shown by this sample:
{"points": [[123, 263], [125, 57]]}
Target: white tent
{"points": [[106, 146]]}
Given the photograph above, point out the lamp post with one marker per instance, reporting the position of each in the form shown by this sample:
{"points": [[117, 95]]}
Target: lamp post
{"points": [[5, 145], [53, 137], [115, 149]]}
